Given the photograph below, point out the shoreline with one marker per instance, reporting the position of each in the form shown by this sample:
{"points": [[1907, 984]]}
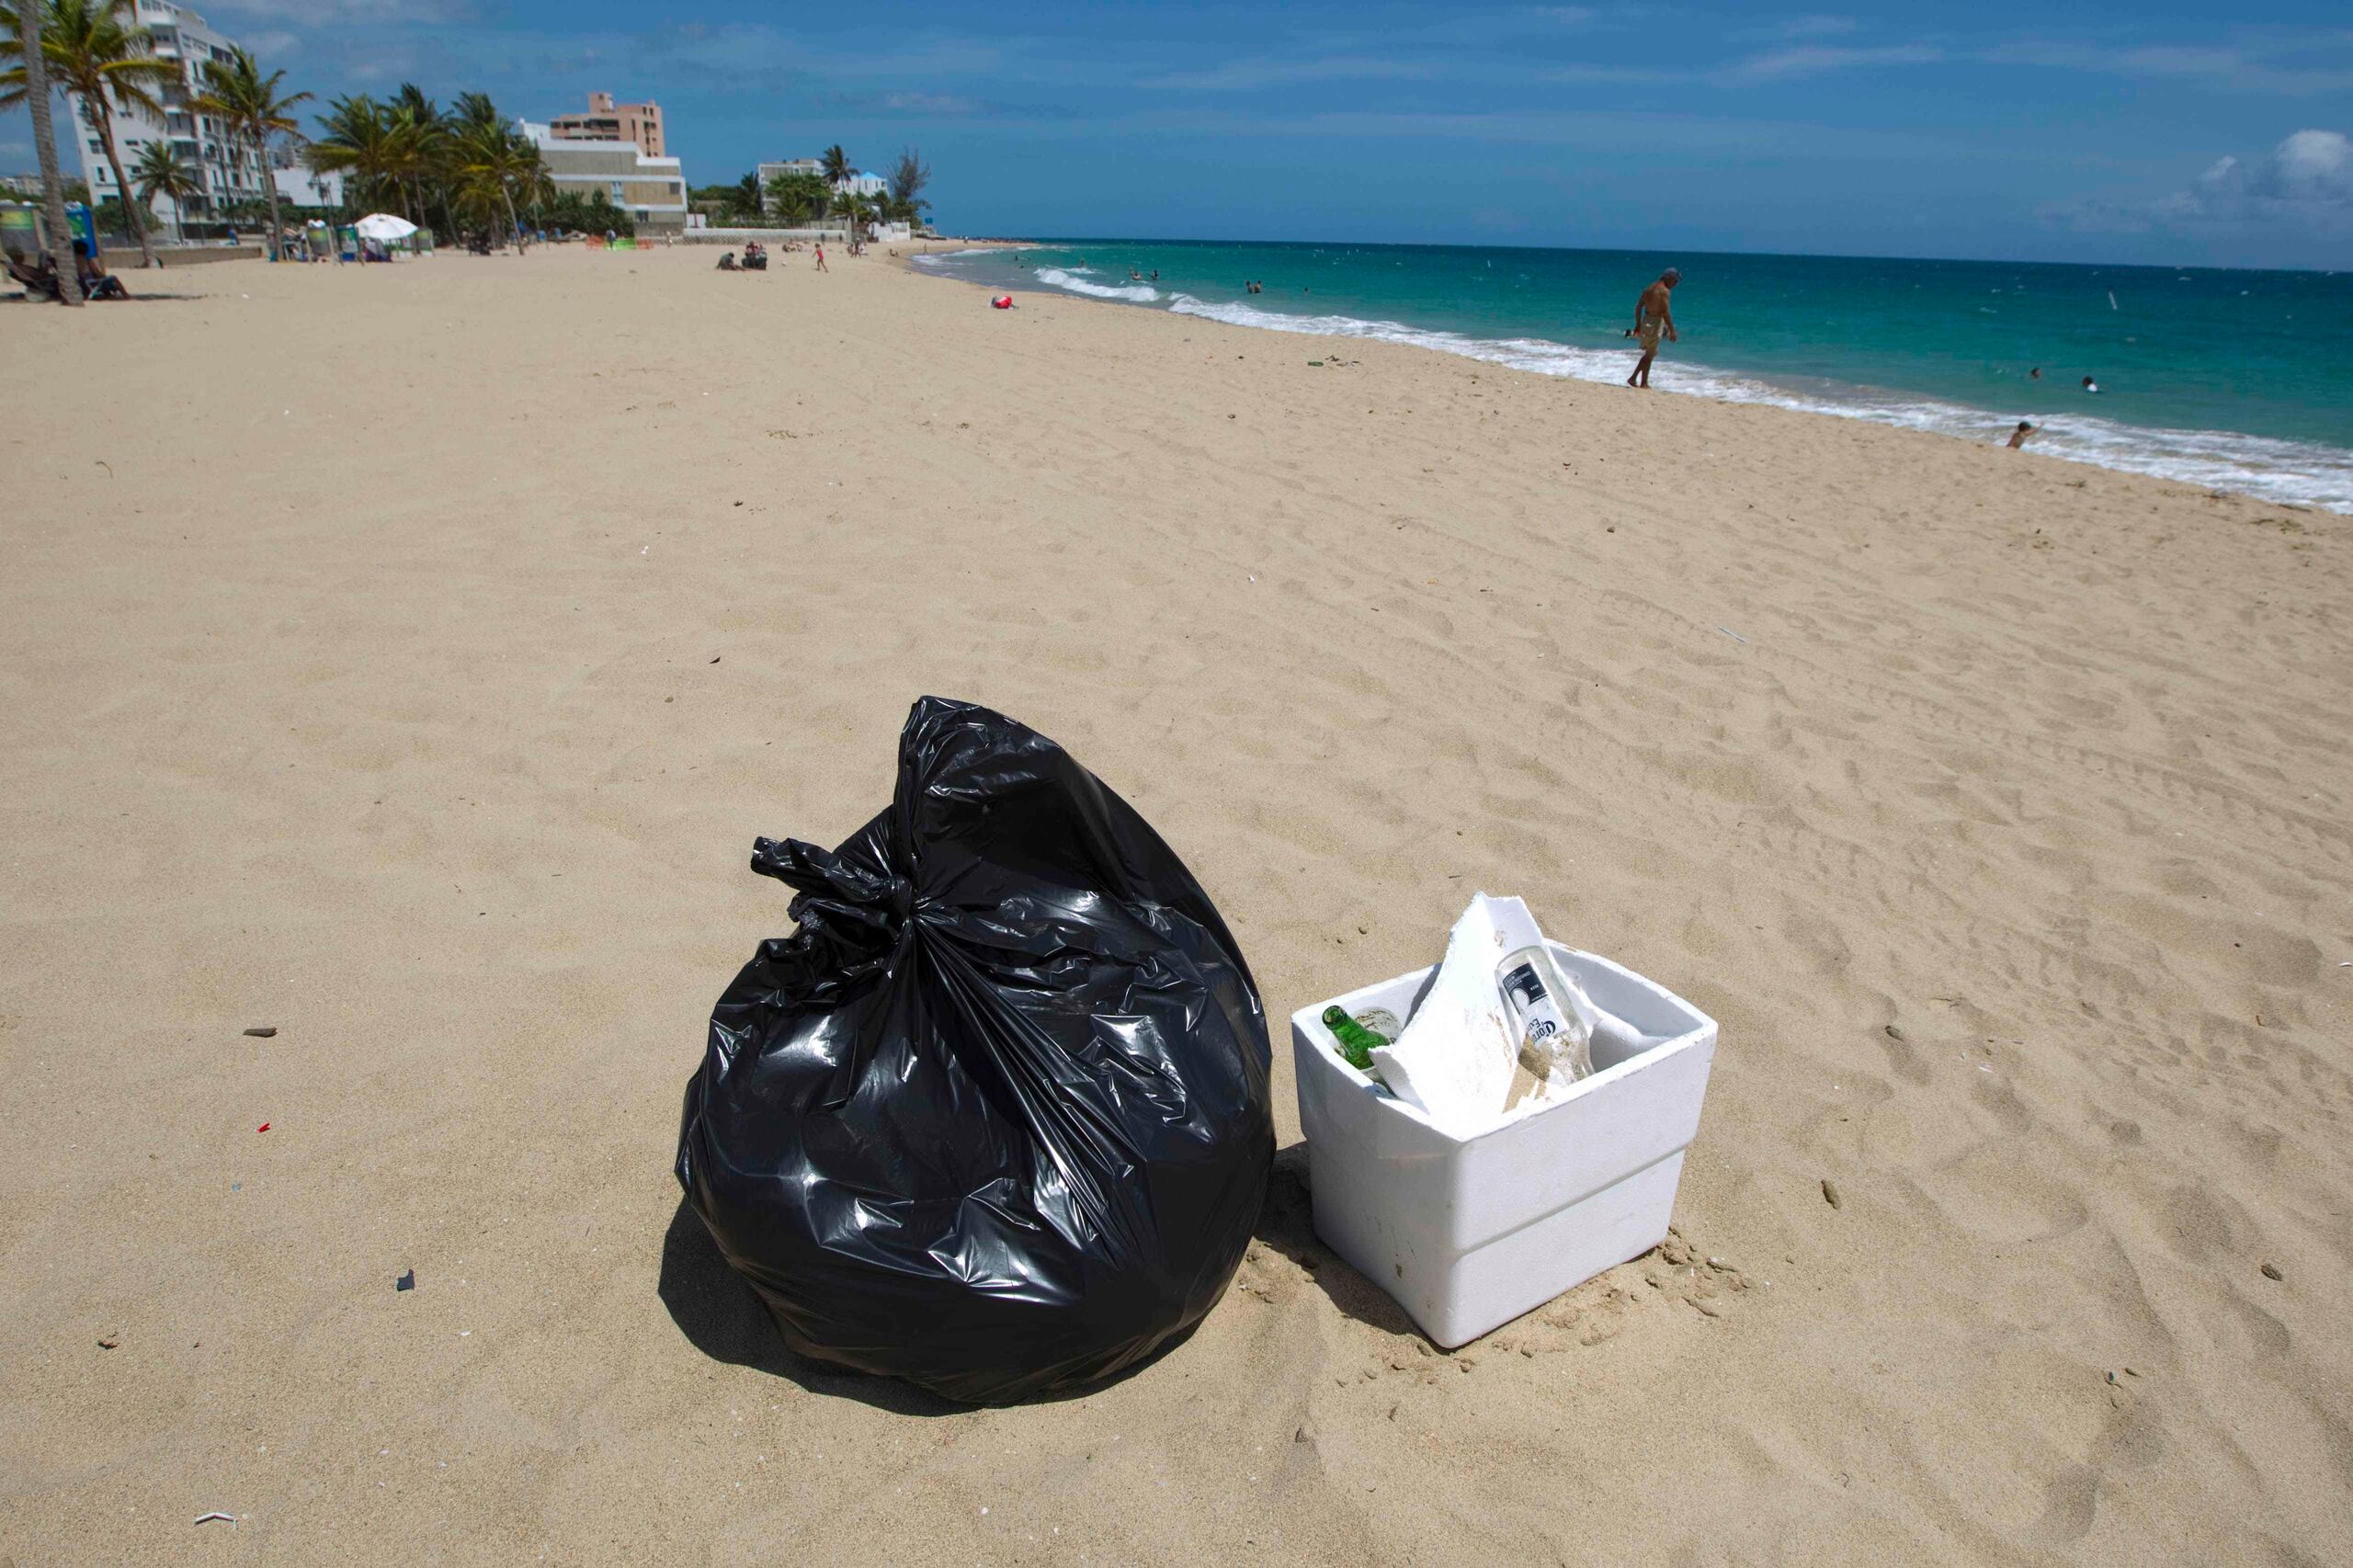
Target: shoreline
{"points": [[2087, 440]]}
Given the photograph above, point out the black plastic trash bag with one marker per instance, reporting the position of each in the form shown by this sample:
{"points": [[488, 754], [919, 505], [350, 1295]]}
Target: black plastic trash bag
{"points": [[996, 1118]]}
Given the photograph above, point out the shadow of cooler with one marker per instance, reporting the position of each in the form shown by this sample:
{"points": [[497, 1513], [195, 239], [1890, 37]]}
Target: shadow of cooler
{"points": [[1468, 1233]]}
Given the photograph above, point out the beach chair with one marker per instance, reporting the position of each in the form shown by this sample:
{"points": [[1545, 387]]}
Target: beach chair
{"points": [[37, 285]]}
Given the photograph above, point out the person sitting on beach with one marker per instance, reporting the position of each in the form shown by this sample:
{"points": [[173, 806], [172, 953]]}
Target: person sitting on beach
{"points": [[38, 278], [727, 262], [97, 282], [1651, 317], [2018, 436]]}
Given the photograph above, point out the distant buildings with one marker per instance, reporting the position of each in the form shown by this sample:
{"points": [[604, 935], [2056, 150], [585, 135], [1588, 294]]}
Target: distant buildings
{"points": [[864, 185], [229, 173], [301, 188], [777, 171], [608, 122], [652, 191]]}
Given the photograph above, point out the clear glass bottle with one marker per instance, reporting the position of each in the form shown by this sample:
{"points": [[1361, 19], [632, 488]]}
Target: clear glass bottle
{"points": [[1549, 1013]]}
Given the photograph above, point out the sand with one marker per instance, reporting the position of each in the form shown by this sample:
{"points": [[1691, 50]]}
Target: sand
{"points": [[405, 657]]}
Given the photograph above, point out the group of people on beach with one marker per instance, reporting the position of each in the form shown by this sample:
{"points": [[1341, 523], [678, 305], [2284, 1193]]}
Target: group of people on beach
{"points": [[755, 257], [40, 279]]}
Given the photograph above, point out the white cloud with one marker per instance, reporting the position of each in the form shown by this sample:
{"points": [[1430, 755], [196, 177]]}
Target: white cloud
{"points": [[1817, 25], [1813, 60], [307, 12], [933, 103], [2274, 70], [1241, 75], [2308, 177], [2305, 182]]}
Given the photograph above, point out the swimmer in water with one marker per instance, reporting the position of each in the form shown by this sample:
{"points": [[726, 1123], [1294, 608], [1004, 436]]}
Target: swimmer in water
{"points": [[2035, 374], [2090, 385], [2018, 436]]}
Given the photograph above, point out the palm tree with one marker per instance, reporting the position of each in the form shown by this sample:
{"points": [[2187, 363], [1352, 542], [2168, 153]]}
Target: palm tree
{"points": [[799, 196], [26, 18], [95, 47], [360, 142], [427, 133], [159, 171], [250, 107], [856, 208], [835, 164], [474, 110], [908, 178], [490, 162]]}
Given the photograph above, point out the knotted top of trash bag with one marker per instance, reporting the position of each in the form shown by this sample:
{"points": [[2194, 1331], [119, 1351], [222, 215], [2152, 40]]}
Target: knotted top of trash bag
{"points": [[995, 1118]]}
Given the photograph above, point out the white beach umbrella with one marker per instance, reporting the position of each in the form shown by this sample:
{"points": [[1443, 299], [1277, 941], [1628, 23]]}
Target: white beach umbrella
{"points": [[384, 226]]}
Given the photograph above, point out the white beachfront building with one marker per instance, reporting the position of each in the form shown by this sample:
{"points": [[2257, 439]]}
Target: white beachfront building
{"points": [[652, 191], [299, 187], [229, 173]]}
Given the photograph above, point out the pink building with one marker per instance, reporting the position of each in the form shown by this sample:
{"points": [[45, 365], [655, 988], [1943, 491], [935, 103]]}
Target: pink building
{"points": [[608, 122]]}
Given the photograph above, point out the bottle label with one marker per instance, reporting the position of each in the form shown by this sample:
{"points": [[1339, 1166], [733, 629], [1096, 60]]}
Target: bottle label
{"points": [[1551, 1042]]}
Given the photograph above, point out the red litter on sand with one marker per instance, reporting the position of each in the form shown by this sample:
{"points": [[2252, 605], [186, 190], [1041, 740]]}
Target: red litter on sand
{"points": [[262, 1128], [1002, 302]]}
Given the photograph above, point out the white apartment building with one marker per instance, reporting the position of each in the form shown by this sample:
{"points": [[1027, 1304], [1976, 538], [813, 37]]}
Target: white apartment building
{"points": [[230, 173], [653, 190]]}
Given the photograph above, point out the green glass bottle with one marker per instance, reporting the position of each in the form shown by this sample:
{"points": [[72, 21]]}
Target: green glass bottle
{"points": [[1356, 1043]]}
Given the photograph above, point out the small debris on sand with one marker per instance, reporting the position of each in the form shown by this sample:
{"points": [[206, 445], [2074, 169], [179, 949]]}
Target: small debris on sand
{"points": [[263, 1032], [2271, 1271], [1830, 1193]]}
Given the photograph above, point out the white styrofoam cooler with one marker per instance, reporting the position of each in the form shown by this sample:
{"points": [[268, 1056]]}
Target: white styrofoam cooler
{"points": [[1468, 1234]]}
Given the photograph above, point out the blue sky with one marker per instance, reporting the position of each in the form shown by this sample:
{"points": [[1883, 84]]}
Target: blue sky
{"points": [[2156, 131]]}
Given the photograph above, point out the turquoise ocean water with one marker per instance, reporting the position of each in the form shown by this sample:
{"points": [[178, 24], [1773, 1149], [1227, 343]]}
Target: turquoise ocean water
{"points": [[2235, 380]]}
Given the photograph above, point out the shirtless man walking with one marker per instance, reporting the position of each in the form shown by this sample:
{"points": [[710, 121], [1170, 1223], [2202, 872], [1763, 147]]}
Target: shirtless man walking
{"points": [[1652, 318]]}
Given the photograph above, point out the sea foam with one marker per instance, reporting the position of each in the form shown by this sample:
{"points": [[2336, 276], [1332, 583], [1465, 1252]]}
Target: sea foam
{"points": [[1139, 294], [2298, 472]]}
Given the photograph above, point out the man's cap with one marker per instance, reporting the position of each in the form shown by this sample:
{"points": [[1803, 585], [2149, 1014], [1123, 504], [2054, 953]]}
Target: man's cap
{"points": [[1674, 272]]}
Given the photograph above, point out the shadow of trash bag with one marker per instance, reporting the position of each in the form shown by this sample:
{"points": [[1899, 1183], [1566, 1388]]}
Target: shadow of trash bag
{"points": [[996, 1118]]}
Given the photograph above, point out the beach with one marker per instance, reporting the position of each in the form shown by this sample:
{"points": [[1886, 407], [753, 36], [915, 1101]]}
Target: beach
{"points": [[403, 658]]}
